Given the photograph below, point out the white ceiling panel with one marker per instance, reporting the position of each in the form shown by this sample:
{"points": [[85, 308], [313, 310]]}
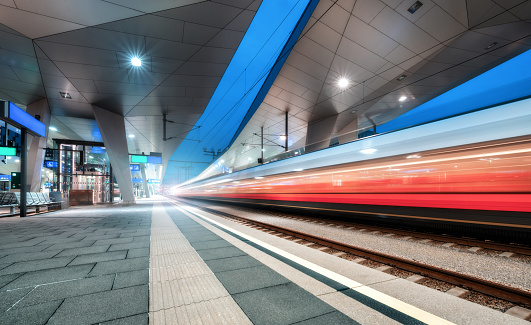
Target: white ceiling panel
{"points": [[153, 6], [402, 9], [28, 76], [87, 12], [81, 71], [324, 35], [456, 9], [227, 39], [302, 78], [34, 25], [7, 72], [440, 24], [242, 21], [17, 43], [150, 26], [105, 87], [353, 72], [202, 69], [213, 55], [198, 34], [162, 91], [142, 77], [403, 31], [336, 18], [102, 39], [315, 51], [192, 81], [17, 60], [199, 91], [368, 37], [170, 50], [205, 13], [84, 85], [360, 55], [303, 63], [366, 10], [78, 54]]}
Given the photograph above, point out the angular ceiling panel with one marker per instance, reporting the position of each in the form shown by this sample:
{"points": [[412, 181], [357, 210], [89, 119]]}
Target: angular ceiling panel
{"points": [[205, 13], [87, 12], [34, 25], [153, 6]]}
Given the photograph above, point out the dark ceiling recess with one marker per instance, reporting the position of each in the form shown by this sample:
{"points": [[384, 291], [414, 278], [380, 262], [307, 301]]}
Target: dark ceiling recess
{"points": [[415, 7], [491, 46]]}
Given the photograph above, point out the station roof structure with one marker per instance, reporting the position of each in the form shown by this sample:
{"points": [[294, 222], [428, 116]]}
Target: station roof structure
{"points": [[394, 56]]}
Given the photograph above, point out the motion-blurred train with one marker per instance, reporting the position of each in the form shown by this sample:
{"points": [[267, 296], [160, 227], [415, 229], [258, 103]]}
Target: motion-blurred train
{"points": [[469, 174]]}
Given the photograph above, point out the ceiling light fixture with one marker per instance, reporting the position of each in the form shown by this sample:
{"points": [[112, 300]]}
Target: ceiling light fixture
{"points": [[491, 45], [65, 95], [402, 98], [343, 83], [136, 62], [402, 77], [52, 128], [415, 7], [131, 135], [282, 137]]}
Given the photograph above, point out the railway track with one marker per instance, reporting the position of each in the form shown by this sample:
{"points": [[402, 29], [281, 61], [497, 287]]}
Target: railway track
{"points": [[500, 291]]}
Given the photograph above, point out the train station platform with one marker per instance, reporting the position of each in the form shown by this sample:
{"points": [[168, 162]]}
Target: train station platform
{"points": [[159, 262]]}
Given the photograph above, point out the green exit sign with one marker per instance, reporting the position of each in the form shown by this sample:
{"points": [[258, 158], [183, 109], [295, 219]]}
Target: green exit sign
{"points": [[15, 180], [138, 159], [8, 151]]}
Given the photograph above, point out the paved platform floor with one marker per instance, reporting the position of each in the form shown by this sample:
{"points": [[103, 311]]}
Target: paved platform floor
{"points": [[156, 263]]}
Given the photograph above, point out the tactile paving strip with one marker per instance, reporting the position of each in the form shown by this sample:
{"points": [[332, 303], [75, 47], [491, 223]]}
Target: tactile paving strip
{"points": [[182, 289]]}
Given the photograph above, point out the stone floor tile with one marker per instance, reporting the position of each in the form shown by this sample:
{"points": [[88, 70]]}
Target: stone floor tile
{"points": [[102, 306], [99, 257], [117, 266], [36, 314]]}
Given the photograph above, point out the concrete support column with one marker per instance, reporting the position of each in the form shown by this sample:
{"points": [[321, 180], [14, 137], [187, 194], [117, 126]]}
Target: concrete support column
{"points": [[319, 132], [145, 180], [112, 129], [37, 144]]}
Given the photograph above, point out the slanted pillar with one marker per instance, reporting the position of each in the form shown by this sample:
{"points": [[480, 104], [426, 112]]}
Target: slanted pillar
{"points": [[145, 180], [37, 145], [349, 133], [319, 133], [112, 129]]}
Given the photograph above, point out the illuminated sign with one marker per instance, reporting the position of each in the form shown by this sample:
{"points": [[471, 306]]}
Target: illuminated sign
{"points": [[50, 164], [5, 178], [15, 180], [142, 159], [97, 150], [16, 116], [134, 168], [8, 151], [137, 180], [154, 160], [153, 181], [138, 159]]}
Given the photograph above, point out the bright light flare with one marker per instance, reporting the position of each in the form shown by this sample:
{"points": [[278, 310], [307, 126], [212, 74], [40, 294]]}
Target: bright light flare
{"points": [[136, 62], [368, 151], [343, 83], [402, 98]]}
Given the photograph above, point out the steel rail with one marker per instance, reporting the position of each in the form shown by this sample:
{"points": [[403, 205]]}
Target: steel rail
{"points": [[483, 286]]}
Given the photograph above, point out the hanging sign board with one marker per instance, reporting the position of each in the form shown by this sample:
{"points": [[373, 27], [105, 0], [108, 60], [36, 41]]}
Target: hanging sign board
{"points": [[16, 116]]}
